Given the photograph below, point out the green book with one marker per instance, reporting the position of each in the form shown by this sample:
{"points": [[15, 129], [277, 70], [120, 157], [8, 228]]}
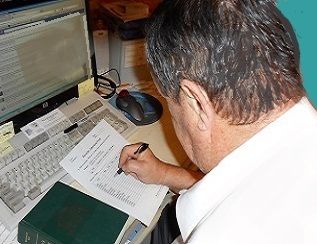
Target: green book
{"points": [[65, 215]]}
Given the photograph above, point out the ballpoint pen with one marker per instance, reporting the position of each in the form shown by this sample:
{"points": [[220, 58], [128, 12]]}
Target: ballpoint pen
{"points": [[140, 149], [75, 125]]}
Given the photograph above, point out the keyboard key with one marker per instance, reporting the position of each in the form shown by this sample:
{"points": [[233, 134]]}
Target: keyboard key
{"points": [[17, 206], [4, 236], [34, 192], [4, 188], [8, 195], [12, 238], [17, 197], [61, 126], [36, 141], [93, 107], [77, 117], [2, 163], [86, 127]]}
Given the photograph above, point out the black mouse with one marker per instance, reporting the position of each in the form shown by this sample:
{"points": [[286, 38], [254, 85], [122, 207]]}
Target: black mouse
{"points": [[130, 105]]}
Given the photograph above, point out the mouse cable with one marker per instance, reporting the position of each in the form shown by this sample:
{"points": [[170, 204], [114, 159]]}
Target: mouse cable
{"points": [[107, 83]]}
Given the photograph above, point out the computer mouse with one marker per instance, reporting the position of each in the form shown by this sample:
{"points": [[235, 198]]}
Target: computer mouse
{"points": [[127, 103]]}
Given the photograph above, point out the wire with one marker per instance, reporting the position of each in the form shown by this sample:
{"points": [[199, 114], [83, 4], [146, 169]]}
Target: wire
{"points": [[107, 83], [108, 71]]}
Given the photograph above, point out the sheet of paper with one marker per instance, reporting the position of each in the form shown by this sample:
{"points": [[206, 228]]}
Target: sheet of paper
{"points": [[43, 123], [94, 163], [5, 148], [6, 131]]}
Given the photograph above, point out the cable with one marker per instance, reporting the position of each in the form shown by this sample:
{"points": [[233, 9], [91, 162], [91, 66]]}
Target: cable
{"points": [[107, 84], [108, 71]]}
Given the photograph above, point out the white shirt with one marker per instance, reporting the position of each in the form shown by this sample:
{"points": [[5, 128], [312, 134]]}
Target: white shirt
{"points": [[265, 191]]}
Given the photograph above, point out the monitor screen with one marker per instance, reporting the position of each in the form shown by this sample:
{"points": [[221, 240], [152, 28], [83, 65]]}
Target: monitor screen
{"points": [[44, 51], [9, 4]]}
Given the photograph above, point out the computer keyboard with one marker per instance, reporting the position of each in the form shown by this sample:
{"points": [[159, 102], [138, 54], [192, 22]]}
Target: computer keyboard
{"points": [[7, 236], [25, 179], [32, 167]]}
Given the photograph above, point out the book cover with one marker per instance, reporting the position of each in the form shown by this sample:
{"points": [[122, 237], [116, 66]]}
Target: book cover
{"points": [[67, 216]]}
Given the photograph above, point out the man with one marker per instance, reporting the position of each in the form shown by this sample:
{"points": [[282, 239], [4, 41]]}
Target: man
{"points": [[230, 74]]}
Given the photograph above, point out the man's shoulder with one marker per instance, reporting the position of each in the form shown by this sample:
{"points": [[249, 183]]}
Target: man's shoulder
{"points": [[261, 226]]}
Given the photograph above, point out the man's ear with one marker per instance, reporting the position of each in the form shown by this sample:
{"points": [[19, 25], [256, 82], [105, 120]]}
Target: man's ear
{"points": [[199, 102]]}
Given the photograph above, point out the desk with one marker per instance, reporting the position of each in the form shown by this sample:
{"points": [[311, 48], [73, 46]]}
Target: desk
{"points": [[162, 139], [165, 145]]}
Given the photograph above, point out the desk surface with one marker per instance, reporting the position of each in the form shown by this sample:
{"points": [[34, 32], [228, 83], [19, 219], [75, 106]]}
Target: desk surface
{"points": [[162, 139], [164, 144]]}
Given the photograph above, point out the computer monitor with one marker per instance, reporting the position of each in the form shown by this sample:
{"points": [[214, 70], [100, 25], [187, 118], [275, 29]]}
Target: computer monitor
{"points": [[45, 52]]}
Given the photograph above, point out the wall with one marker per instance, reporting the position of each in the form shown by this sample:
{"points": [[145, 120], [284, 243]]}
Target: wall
{"points": [[302, 15], [96, 16]]}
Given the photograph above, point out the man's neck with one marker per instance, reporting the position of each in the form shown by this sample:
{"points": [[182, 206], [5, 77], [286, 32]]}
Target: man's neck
{"points": [[226, 137]]}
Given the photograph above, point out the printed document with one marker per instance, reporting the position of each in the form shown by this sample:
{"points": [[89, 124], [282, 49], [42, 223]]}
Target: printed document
{"points": [[43, 123], [94, 164]]}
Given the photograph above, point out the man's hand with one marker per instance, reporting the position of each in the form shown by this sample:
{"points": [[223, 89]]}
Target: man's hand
{"points": [[143, 166], [149, 169]]}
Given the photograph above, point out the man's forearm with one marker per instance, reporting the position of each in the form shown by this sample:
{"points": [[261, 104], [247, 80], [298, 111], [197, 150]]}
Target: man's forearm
{"points": [[177, 178]]}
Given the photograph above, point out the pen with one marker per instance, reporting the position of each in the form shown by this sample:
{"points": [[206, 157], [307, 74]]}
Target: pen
{"points": [[70, 128], [140, 149], [75, 125]]}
